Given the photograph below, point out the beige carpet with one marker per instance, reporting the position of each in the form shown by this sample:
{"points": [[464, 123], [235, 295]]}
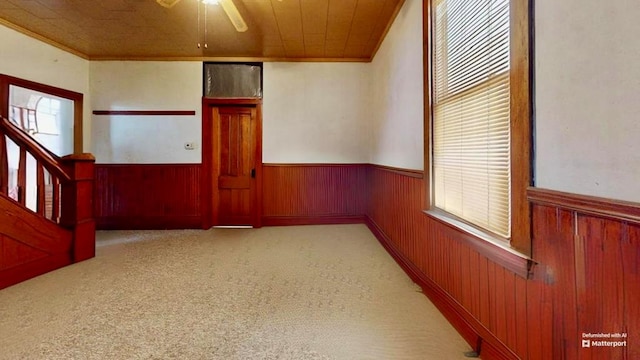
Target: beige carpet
{"points": [[304, 292]]}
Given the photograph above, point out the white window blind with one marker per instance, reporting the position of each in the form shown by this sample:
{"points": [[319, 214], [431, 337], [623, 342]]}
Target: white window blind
{"points": [[471, 120]]}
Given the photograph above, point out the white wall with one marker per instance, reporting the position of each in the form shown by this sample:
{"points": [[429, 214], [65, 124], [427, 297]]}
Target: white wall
{"points": [[146, 85], [316, 112], [30, 59], [312, 113], [587, 97], [397, 104]]}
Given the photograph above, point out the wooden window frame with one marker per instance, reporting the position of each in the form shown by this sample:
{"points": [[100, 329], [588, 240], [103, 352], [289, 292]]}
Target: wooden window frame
{"points": [[6, 81], [517, 253]]}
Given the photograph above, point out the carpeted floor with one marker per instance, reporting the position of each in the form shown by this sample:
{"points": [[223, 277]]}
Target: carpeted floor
{"points": [[304, 292]]}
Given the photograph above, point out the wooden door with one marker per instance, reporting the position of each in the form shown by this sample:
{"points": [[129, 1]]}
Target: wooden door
{"points": [[234, 155]]}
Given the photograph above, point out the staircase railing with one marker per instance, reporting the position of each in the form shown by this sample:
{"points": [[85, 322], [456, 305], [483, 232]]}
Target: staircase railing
{"points": [[57, 189]]}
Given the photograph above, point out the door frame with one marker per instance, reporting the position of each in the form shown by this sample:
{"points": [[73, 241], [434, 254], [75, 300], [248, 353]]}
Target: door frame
{"points": [[209, 191]]}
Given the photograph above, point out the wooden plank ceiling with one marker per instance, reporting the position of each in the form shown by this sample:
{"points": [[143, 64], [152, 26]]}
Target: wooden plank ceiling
{"points": [[318, 30]]}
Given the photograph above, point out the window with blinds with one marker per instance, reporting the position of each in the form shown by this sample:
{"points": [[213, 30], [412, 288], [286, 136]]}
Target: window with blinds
{"points": [[471, 112]]}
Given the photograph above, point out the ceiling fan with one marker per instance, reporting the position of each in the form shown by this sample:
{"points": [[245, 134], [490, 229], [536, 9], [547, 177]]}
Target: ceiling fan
{"points": [[227, 5]]}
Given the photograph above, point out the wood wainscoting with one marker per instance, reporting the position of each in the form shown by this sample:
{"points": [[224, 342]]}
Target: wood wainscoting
{"points": [[587, 250], [481, 299], [148, 196], [587, 277], [304, 194]]}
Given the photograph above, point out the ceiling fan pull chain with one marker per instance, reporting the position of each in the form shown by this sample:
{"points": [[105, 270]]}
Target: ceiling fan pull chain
{"points": [[205, 26], [198, 22]]}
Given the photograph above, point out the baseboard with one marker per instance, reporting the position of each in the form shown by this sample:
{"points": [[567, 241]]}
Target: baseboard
{"points": [[148, 222], [476, 334], [311, 220]]}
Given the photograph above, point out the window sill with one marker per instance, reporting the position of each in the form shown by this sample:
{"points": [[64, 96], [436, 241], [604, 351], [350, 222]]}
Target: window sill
{"points": [[487, 245]]}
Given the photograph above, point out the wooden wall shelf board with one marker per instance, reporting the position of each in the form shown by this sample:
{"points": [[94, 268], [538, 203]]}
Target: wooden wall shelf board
{"points": [[145, 112]]}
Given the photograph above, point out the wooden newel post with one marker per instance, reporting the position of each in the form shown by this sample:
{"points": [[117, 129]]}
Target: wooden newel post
{"points": [[77, 205]]}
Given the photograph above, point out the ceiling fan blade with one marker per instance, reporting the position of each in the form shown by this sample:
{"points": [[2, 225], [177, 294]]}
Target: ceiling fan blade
{"points": [[234, 15], [168, 3]]}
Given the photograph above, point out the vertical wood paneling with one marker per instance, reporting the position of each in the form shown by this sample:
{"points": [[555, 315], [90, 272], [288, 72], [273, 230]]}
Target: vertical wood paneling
{"points": [[500, 297], [139, 196], [534, 330], [562, 253], [523, 295], [469, 278], [545, 317], [590, 230], [554, 271], [604, 287], [466, 276], [474, 264], [304, 193], [540, 329], [613, 305], [510, 302], [483, 279], [587, 278], [631, 271]]}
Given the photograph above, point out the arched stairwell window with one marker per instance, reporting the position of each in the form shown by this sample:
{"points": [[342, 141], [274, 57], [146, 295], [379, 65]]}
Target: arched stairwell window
{"points": [[22, 110], [53, 118], [46, 117]]}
